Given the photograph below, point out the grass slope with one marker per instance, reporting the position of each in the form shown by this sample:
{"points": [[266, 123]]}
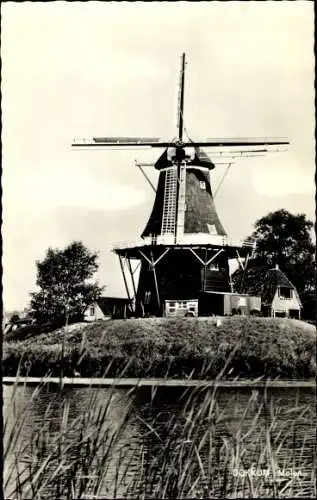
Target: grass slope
{"points": [[158, 347]]}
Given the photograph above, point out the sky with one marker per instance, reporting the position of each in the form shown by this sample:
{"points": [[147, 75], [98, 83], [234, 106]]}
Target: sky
{"points": [[83, 69]]}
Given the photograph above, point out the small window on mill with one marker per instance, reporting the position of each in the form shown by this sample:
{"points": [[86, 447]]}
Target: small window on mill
{"points": [[202, 184], [212, 229]]}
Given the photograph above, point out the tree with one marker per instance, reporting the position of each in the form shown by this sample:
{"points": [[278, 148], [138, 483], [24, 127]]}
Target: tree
{"points": [[284, 239], [64, 278]]}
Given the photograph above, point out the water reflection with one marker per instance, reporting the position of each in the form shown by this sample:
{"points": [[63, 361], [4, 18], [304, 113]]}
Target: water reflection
{"points": [[134, 442], [80, 412], [237, 429]]}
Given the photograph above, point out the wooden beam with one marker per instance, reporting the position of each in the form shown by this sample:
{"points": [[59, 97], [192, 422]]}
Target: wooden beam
{"points": [[181, 100], [239, 259], [214, 256], [124, 278], [145, 257], [208, 261], [146, 176], [161, 256], [244, 273], [205, 270], [231, 284], [155, 282], [197, 256], [137, 267], [132, 278], [142, 307]]}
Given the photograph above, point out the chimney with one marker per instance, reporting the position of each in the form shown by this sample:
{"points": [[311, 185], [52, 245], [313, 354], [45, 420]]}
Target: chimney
{"points": [[276, 266]]}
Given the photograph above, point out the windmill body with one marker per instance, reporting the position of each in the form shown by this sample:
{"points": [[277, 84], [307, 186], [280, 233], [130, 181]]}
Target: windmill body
{"points": [[184, 249], [184, 252]]}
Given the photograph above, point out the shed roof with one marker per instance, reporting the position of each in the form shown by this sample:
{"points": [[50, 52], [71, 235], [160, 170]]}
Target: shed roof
{"points": [[262, 281], [274, 278]]}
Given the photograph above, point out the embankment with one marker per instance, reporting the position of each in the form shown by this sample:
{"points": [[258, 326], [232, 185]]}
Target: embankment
{"points": [[179, 348]]}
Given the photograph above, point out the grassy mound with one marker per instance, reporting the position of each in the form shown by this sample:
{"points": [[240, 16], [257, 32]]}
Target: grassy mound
{"points": [[158, 347]]}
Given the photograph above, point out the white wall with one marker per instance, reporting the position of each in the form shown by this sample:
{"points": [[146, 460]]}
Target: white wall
{"points": [[280, 304], [98, 314]]}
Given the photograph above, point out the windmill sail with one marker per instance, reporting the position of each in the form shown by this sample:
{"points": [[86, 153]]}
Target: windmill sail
{"points": [[180, 110]]}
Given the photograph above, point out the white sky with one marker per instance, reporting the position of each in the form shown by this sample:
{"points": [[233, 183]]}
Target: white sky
{"points": [[104, 68]]}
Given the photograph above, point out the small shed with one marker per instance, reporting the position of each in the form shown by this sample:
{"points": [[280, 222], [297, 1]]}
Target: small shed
{"points": [[246, 305], [107, 308], [181, 308], [279, 296]]}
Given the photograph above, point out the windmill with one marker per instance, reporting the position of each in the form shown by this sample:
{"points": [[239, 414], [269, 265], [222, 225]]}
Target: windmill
{"points": [[184, 250]]}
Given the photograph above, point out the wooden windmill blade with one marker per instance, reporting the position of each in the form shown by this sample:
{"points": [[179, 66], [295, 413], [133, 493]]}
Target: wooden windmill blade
{"points": [[180, 107], [113, 142], [156, 142], [247, 141], [251, 153], [261, 144]]}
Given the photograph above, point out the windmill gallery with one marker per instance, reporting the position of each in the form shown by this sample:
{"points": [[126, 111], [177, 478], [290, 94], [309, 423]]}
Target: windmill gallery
{"points": [[184, 251]]}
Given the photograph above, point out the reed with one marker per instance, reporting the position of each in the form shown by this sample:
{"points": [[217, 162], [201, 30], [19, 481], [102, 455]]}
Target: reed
{"points": [[195, 453]]}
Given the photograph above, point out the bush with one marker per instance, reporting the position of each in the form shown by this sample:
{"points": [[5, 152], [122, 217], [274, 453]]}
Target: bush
{"points": [[34, 329]]}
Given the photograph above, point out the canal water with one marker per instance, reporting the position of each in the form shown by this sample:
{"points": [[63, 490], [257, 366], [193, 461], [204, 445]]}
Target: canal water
{"points": [[107, 443]]}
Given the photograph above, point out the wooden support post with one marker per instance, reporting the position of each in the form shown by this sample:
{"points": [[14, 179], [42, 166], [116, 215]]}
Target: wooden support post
{"points": [[155, 281], [137, 267], [145, 257], [142, 307], [244, 273], [124, 278], [161, 256], [240, 260], [197, 256], [214, 256], [205, 270], [132, 277], [145, 175], [231, 284]]}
